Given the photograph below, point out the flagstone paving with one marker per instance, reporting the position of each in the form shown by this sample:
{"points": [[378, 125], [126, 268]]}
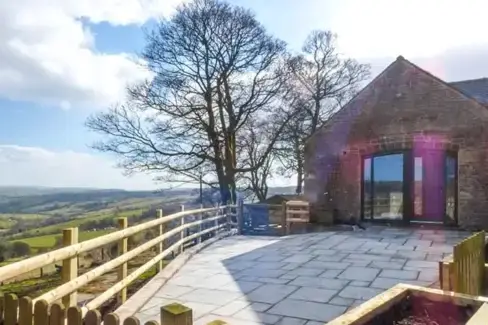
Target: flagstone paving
{"points": [[300, 279]]}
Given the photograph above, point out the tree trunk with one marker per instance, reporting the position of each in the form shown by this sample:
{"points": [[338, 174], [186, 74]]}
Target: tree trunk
{"points": [[299, 187]]}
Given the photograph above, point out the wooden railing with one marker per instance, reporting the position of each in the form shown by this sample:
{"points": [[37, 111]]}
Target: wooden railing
{"points": [[23, 312], [220, 219]]}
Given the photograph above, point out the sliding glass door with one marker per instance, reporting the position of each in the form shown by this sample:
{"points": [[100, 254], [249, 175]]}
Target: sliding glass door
{"points": [[410, 186], [383, 187]]}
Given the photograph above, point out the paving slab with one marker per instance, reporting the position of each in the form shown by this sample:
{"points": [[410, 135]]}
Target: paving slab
{"points": [[304, 279], [313, 294], [399, 274], [359, 292], [359, 273], [307, 310], [271, 293]]}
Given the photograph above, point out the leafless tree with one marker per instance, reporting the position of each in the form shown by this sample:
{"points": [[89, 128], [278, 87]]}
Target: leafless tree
{"points": [[255, 140], [324, 81], [214, 69]]}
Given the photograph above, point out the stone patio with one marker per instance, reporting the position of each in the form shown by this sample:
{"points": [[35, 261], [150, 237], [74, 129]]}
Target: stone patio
{"points": [[301, 279]]}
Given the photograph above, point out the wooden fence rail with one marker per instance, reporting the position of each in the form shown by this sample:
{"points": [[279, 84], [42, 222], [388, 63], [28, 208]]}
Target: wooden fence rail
{"points": [[66, 292], [23, 311]]}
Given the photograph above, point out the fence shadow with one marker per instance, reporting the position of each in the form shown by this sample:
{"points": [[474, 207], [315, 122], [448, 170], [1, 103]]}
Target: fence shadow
{"points": [[300, 278]]}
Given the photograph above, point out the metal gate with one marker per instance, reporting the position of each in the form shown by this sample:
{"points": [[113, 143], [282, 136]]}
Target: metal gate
{"points": [[255, 219]]}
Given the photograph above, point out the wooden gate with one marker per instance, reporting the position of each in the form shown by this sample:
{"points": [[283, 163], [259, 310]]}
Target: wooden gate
{"points": [[468, 265]]}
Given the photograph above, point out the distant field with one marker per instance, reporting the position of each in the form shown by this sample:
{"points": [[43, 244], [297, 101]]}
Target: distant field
{"points": [[88, 217], [8, 220], [48, 241]]}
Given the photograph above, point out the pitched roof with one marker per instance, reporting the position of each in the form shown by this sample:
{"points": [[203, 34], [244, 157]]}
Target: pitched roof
{"points": [[476, 88], [478, 94]]}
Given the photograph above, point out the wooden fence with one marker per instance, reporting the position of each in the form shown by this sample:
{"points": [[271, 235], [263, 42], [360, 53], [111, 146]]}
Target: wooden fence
{"points": [[14, 311], [469, 265], [296, 212], [214, 219]]}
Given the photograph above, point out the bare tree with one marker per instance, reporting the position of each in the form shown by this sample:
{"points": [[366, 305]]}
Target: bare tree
{"points": [[215, 68], [324, 81], [255, 140]]}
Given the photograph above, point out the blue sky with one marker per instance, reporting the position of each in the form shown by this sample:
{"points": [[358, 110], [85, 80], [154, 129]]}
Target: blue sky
{"points": [[59, 67]]}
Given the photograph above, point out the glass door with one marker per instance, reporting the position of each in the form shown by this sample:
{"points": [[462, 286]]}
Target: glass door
{"points": [[383, 187], [418, 186]]}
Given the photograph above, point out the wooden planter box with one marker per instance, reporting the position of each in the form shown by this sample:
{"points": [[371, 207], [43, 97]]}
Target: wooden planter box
{"points": [[405, 300]]}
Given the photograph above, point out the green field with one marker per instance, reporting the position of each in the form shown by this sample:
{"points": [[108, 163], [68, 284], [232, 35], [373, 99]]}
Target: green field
{"points": [[49, 241], [88, 217], [8, 220]]}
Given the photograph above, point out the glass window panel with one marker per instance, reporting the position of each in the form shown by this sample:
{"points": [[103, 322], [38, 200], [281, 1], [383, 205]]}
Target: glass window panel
{"points": [[450, 187], [367, 185], [388, 187], [418, 187]]}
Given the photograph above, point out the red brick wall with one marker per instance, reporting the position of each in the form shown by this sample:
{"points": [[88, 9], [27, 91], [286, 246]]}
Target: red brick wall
{"points": [[402, 107]]}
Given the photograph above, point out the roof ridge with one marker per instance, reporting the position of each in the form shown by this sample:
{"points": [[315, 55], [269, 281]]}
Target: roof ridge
{"points": [[469, 80], [447, 84]]}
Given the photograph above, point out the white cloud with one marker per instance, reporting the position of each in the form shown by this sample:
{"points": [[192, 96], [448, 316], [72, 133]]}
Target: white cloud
{"points": [[47, 54], [29, 166], [413, 28]]}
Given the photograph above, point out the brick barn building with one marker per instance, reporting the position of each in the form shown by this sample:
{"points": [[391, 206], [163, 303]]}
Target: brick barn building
{"points": [[408, 148]]}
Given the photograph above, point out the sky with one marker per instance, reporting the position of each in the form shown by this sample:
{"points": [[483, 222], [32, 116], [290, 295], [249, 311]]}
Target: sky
{"points": [[63, 60]]}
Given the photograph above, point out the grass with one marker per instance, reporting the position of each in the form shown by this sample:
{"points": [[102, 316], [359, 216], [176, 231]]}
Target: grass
{"points": [[92, 216], [8, 220], [6, 224], [35, 286], [48, 241]]}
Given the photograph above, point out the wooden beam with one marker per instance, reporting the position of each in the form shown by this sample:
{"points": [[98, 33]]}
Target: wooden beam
{"points": [[480, 317], [122, 271], [70, 266], [80, 281]]}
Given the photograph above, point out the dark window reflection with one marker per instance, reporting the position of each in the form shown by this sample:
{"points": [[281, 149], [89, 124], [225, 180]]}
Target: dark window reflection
{"points": [[388, 187], [367, 188], [450, 187]]}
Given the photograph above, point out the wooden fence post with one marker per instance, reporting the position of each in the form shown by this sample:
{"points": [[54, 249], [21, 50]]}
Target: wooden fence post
{"points": [[41, 313], [216, 221], [161, 244], [240, 217], [200, 226], [74, 316], [176, 314], [93, 317], [70, 266], [25, 311], [2, 308], [228, 213], [284, 223], [57, 315], [111, 319], [122, 271], [182, 233], [132, 321], [11, 309]]}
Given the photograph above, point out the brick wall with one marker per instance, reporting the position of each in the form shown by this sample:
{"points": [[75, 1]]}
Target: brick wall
{"points": [[403, 107]]}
